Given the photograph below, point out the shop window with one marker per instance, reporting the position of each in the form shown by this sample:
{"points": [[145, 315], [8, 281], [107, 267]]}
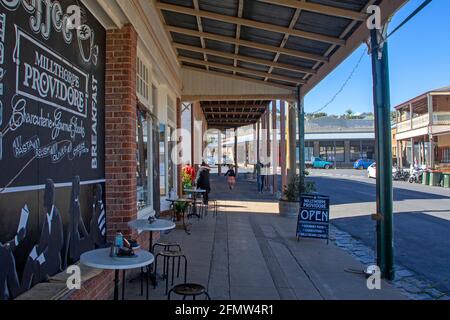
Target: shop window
{"points": [[446, 155], [355, 150], [162, 160], [171, 166], [340, 151], [327, 150], [368, 149], [143, 82], [142, 152], [309, 150]]}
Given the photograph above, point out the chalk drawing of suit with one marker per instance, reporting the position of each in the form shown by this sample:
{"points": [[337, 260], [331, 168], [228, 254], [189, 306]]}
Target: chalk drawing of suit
{"points": [[51, 244], [10, 286]]}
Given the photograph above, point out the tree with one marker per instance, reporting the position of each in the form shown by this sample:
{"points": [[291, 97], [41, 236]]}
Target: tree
{"points": [[393, 116], [316, 115], [349, 114]]}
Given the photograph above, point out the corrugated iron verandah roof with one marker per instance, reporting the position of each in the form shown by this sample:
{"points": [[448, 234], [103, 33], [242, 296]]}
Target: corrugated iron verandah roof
{"points": [[280, 43], [233, 114]]}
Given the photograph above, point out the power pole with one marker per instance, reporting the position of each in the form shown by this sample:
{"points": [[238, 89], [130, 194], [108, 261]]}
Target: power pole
{"points": [[382, 105]]}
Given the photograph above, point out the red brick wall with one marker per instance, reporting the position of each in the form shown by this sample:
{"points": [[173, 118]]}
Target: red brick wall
{"points": [[120, 152], [98, 288], [120, 149], [120, 135]]}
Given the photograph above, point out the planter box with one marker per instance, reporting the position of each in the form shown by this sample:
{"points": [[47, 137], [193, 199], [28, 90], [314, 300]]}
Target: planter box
{"points": [[288, 209]]}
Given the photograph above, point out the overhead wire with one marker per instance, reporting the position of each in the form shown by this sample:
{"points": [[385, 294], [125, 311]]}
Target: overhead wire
{"points": [[401, 25]]}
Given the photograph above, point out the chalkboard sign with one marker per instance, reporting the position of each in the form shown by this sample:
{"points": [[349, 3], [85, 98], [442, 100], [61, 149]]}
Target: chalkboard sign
{"points": [[52, 77], [52, 134], [314, 217]]}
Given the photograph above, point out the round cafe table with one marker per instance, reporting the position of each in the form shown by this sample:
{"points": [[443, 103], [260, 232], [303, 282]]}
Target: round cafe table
{"points": [[100, 259], [195, 193], [157, 225]]}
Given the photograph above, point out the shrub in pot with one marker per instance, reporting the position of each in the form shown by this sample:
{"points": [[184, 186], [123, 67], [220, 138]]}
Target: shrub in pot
{"points": [[289, 205], [180, 209]]}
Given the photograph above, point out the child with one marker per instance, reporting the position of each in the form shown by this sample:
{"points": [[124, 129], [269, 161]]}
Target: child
{"points": [[231, 177]]}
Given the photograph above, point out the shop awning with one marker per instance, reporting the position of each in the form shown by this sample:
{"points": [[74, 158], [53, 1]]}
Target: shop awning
{"points": [[232, 114], [279, 43]]}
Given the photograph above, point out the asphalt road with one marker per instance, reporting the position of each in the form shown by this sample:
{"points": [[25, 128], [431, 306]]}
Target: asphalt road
{"points": [[421, 220]]}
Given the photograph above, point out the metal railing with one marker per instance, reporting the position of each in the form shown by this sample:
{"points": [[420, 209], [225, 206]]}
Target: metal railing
{"points": [[420, 122], [439, 118]]}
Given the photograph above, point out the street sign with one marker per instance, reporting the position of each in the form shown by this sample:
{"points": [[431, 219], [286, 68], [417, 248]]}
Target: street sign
{"points": [[314, 217]]}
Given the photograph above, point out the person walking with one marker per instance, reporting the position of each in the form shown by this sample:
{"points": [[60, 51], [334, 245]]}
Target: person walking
{"points": [[202, 181], [259, 177], [231, 177]]}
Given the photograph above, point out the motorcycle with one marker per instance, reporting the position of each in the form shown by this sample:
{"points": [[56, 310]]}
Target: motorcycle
{"points": [[416, 175], [400, 175]]}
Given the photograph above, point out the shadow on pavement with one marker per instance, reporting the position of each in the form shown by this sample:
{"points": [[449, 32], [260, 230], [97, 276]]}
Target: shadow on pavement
{"points": [[421, 242], [343, 191]]}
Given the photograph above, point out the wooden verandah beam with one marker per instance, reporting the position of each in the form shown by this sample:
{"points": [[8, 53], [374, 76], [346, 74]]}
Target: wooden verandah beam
{"points": [[244, 58], [251, 23], [319, 8], [293, 53], [261, 74]]}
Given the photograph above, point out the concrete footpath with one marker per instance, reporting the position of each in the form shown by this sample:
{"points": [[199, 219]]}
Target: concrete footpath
{"points": [[249, 252]]}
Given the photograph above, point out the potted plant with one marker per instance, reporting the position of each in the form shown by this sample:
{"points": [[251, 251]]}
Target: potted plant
{"points": [[180, 209], [288, 204]]}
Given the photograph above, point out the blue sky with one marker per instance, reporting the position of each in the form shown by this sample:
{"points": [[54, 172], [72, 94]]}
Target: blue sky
{"points": [[419, 59]]}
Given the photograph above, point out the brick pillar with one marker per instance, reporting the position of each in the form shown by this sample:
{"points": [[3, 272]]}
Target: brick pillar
{"points": [[120, 133]]}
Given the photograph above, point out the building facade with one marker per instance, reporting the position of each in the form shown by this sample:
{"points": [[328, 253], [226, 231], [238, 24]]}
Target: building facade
{"points": [[342, 141], [91, 95], [423, 130], [88, 115], [338, 140]]}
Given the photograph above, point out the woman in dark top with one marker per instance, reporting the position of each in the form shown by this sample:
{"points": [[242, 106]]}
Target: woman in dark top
{"points": [[202, 181], [231, 177]]}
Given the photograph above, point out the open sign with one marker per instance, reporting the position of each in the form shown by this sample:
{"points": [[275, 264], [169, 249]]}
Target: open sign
{"points": [[314, 217]]}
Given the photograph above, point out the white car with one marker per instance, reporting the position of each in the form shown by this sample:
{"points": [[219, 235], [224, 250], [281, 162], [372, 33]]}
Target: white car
{"points": [[372, 171]]}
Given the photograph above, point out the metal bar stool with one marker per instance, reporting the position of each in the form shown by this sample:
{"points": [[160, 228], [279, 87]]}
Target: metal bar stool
{"points": [[189, 290], [167, 256], [167, 246]]}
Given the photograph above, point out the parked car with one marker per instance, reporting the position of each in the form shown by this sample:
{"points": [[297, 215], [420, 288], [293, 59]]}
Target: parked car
{"points": [[319, 163], [362, 164], [372, 171]]}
